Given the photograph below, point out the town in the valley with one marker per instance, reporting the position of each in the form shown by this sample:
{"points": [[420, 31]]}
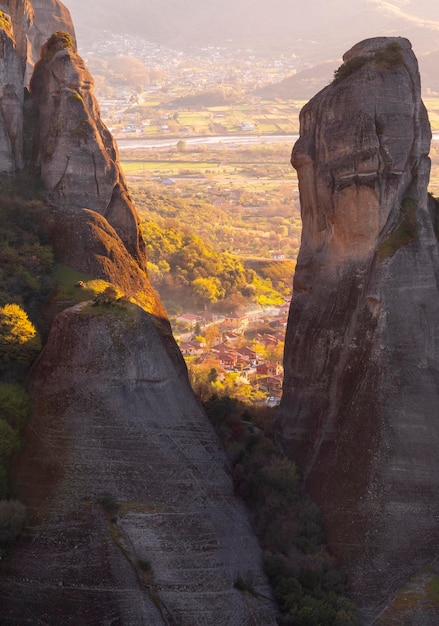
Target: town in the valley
{"points": [[240, 351]]}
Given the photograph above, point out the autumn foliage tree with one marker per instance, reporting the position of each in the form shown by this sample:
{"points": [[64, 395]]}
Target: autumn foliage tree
{"points": [[19, 341]]}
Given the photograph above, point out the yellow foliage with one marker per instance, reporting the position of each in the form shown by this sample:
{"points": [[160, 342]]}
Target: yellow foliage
{"points": [[19, 341], [15, 326]]}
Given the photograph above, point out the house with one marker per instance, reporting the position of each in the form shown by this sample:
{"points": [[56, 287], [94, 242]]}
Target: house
{"points": [[227, 360], [235, 322], [247, 354], [230, 337], [191, 348], [268, 369], [189, 318]]}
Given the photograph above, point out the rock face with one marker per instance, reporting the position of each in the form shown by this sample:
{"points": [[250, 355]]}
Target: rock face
{"points": [[143, 526], [132, 515], [11, 100], [34, 21], [361, 391], [75, 151], [23, 29]]}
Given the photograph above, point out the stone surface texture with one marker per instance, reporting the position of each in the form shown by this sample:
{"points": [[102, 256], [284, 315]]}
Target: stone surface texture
{"points": [[132, 515], [74, 149], [360, 410], [114, 415], [34, 21], [11, 100]]}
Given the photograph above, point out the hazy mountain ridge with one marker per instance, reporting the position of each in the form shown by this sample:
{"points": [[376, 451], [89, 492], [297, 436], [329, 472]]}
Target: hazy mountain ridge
{"points": [[278, 25]]}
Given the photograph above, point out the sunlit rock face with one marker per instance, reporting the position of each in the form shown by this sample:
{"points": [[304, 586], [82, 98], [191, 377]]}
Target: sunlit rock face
{"points": [[24, 27], [360, 410], [33, 23], [74, 149]]}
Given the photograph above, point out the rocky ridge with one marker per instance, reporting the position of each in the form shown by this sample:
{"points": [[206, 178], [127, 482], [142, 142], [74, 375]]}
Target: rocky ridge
{"points": [[360, 406], [132, 516]]}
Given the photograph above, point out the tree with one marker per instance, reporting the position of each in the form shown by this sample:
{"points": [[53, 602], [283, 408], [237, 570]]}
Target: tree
{"points": [[19, 341], [212, 377], [208, 290]]}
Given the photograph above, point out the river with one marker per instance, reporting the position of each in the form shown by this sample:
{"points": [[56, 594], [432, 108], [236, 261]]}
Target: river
{"points": [[138, 143]]}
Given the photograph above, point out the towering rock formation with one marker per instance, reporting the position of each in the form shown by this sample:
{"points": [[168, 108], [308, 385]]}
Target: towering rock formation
{"points": [[360, 411], [11, 99], [33, 23], [74, 149], [132, 516], [22, 32]]}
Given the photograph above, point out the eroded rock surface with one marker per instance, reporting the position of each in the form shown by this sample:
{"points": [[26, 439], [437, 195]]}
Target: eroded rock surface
{"points": [[11, 100], [34, 21], [132, 516], [360, 410], [142, 525], [74, 149]]}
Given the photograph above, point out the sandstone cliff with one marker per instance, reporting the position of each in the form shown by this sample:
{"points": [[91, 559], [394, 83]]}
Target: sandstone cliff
{"points": [[132, 516], [74, 149], [23, 29], [33, 23], [137, 521], [361, 389], [11, 100]]}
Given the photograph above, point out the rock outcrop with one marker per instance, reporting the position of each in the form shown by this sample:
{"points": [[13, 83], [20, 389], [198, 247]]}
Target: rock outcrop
{"points": [[361, 391], [142, 526], [33, 22], [132, 515], [11, 100], [23, 29], [74, 149]]}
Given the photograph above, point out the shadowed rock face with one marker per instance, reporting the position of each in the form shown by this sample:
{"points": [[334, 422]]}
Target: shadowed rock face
{"points": [[24, 27], [11, 101], [113, 414], [361, 391]]}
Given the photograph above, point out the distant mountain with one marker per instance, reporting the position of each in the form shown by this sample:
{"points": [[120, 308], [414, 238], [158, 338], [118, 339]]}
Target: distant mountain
{"points": [[315, 33], [308, 82]]}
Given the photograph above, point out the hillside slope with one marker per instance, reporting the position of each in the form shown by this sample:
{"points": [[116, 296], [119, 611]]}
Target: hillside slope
{"points": [[316, 34]]}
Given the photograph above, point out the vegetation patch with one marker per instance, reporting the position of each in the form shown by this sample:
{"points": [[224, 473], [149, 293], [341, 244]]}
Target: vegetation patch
{"points": [[309, 589], [349, 67], [5, 23], [403, 234], [26, 282], [60, 40], [388, 57]]}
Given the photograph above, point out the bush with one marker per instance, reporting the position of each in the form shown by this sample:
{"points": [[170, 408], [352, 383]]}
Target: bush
{"points": [[61, 40], [14, 404], [9, 442], [19, 341], [348, 68], [390, 56]]}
